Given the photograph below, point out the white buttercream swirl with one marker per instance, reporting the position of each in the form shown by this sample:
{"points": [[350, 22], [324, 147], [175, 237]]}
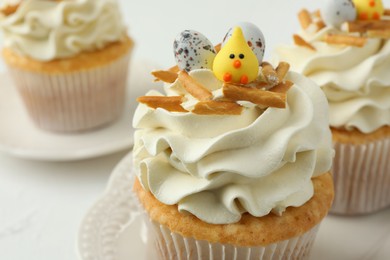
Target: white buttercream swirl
{"points": [[218, 167], [47, 30], [355, 80]]}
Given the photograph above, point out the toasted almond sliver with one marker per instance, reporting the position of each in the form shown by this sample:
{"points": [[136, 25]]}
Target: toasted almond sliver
{"points": [[164, 75], [282, 70], [386, 12], [383, 34], [282, 87], [10, 9], [212, 107], [304, 18], [345, 39], [174, 69], [257, 96], [269, 74], [363, 26], [298, 40], [222, 99], [194, 88], [172, 104], [320, 25], [218, 47], [317, 13]]}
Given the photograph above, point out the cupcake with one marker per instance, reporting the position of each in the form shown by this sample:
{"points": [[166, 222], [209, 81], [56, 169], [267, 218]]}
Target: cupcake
{"points": [[233, 159], [69, 61], [345, 49]]}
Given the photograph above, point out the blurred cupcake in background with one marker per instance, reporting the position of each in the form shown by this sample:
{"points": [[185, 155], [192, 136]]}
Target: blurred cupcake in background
{"points": [[69, 60], [344, 47]]}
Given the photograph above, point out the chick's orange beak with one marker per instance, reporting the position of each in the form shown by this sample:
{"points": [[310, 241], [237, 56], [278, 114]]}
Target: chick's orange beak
{"points": [[237, 64]]}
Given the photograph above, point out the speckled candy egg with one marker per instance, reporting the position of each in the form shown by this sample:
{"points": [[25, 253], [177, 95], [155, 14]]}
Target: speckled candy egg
{"points": [[336, 12], [253, 36], [193, 51]]}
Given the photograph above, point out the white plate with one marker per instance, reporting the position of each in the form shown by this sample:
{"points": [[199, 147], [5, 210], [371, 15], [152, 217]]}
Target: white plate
{"points": [[113, 228], [20, 137]]}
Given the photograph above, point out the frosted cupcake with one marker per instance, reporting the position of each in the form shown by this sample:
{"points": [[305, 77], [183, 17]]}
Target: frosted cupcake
{"points": [[69, 61], [232, 161], [349, 58]]}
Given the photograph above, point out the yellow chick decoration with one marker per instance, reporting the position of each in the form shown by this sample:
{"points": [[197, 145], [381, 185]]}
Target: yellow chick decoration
{"points": [[236, 62], [369, 9]]}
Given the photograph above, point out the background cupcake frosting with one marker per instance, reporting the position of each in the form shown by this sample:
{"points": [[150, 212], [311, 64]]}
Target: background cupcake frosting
{"points": [[355, 80], [48, 30], [218, 167]]}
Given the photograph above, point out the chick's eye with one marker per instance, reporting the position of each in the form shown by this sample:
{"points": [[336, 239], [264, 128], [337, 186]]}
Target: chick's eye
{"points": [[232, 56], [241, 56]]}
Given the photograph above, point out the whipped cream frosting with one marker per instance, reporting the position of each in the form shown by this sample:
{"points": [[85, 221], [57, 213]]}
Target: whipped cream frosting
{"points": [[217, 167], [47, 30], [355, 80]]}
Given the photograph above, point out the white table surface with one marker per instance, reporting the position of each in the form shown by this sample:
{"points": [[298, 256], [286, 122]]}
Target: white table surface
{"points": [[42, 203]]}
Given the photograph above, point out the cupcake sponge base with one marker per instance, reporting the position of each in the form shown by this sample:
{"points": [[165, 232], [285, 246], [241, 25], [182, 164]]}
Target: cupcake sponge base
{"points": [[250, 231], [74, 94]]}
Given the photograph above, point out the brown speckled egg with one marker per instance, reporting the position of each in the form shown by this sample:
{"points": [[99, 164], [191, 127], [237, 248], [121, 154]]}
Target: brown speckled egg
{"points": [[254, 37], [193, 51]]}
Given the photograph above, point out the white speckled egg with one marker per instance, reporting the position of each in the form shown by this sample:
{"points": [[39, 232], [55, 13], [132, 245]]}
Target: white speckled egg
{"points": [[254, 37], [336, 12], [193, 51]]}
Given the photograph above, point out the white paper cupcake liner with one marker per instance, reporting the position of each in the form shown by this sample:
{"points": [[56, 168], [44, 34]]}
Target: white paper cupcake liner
{"points": [[75, 101], [361, 177], [171, 245]]}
